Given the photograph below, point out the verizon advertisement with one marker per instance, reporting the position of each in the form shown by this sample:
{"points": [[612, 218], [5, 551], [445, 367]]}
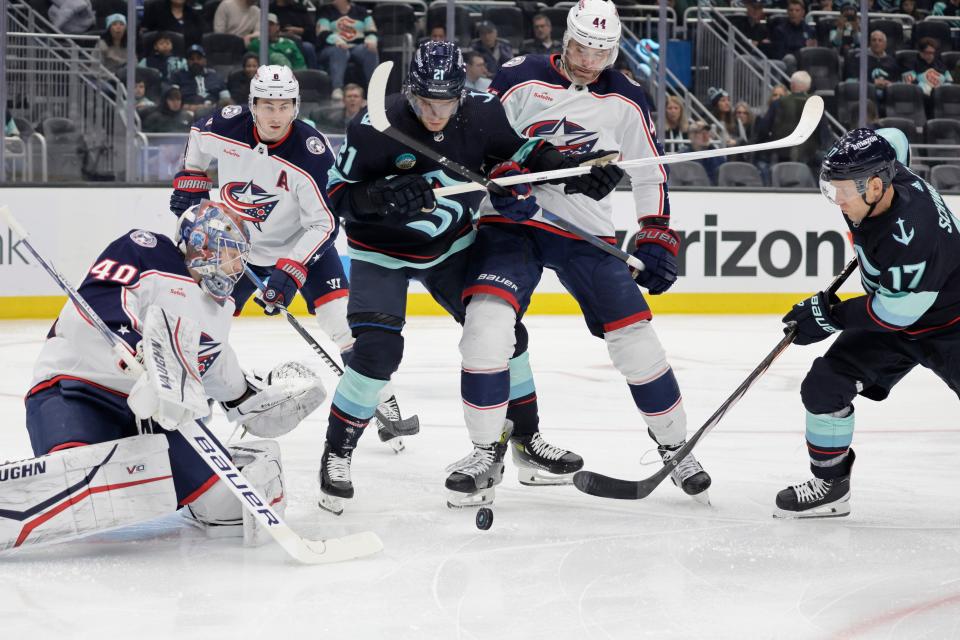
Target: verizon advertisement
{"points": [[732, 242]]}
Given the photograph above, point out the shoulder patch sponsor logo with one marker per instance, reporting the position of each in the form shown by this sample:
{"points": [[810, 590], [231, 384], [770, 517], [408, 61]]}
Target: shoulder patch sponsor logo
{"points": [[405, 161], [514, 61], [231, 111], [315, 145], [227, 151], [144, 238]]}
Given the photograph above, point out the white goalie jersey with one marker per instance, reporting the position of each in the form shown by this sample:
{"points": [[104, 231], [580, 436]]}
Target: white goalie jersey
{"points": [[612, 114]]}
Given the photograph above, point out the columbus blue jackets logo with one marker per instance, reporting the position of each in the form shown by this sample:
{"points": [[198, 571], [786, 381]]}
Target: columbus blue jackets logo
{"points": [[208, 353], [250, 201], [568, 137]]}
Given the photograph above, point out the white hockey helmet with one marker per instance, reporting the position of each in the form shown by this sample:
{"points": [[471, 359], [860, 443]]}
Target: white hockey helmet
{"points": [[594, 24], [277, 82]]}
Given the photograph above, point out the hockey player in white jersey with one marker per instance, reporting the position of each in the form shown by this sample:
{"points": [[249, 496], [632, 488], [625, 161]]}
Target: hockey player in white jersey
{"points": [[272, 169], [576, 101], [102, 465]]}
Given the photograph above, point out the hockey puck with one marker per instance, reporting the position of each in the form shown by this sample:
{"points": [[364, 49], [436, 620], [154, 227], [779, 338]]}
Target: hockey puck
{"points": [[484, 518]]}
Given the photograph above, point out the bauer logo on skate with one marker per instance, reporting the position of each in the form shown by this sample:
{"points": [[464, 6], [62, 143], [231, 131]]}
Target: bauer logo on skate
{"points": [[251, 201]]}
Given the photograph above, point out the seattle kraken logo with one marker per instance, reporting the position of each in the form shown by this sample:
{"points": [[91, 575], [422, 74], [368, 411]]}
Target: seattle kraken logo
{"points": [[208, 353], [250, 201], [568, 137]]}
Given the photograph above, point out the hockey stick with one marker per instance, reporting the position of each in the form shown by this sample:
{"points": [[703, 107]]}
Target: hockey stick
{"points": [[404, 427], [809, 120], [606, 487], [377, 110], [205, 444]]}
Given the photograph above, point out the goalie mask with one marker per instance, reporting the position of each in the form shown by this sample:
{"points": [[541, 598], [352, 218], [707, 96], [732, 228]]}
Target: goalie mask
{"points": [[216, 245]]}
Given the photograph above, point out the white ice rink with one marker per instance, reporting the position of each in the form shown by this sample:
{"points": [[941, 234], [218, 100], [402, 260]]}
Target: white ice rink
{"points": [[557, 564]]}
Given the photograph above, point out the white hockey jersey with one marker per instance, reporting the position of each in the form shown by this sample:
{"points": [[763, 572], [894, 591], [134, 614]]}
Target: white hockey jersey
{"points": [[280, 188], [136, 271], [612, 114]]}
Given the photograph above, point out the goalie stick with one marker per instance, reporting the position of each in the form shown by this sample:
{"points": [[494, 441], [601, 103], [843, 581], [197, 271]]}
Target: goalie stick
{"points": [[204, 443], [606, 487], [377, 110], [809, 120], [403, 427]]}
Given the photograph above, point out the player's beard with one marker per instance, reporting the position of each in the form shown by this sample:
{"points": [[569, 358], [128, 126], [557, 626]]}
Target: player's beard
{"points": [[579, 75]]}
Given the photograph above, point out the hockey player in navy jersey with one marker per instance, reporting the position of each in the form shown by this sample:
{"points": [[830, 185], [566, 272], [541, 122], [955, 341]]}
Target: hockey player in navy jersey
{"points": [[908, 245], [272, 169], [398, 231], [579, 103], [169, 301]]}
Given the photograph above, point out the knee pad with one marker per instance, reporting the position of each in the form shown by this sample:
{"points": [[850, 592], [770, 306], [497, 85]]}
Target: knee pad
{"points": [[825, 391], [488, 334], [220, 513], [636, 352], [377, 352], [332, 318]]}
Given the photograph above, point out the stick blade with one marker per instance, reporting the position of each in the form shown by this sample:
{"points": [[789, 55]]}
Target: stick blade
{"points": [[809, 119], [602, 486], [377, 95], [331, 550]]}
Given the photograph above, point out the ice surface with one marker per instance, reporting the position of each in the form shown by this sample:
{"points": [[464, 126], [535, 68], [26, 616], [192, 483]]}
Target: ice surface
{"points": [[557, 564]]}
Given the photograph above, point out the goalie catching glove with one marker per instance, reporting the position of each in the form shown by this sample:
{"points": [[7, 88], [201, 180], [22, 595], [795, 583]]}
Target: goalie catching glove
{"points": [[276, 403]]}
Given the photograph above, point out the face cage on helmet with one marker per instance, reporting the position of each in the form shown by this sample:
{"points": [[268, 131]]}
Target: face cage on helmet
{"points": [[613, 52], [215, 276]]}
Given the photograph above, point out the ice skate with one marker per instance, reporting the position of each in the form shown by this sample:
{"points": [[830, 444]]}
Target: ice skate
{"points": [[335, 483], [540, 463], [688, 474], [815, 498], [472, 479]]}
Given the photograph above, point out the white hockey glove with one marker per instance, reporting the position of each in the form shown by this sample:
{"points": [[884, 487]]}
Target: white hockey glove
{"points": [[276, 403], [169, 391]]}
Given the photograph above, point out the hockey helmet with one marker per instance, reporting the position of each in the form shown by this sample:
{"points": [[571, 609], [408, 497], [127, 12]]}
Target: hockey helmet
{"points": [[437, 73], [276, 82], [594, 24], [216, 244], [860, 154]]}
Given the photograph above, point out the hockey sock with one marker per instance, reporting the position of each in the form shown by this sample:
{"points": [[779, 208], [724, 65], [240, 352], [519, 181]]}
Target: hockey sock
{"points": [[658, 400], [354, 403], [522, 409], [485, 397], [828, 441]]}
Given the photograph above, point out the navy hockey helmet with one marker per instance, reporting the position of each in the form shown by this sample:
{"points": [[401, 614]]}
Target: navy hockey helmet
{"points": [[437, 72], [858, 155]]}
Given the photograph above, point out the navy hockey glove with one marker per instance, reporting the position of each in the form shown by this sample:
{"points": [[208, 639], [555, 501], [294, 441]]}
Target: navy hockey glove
{"points": [[285, 280], [601, 180], [399, 197], [520, 204], [189, 188], [813, 319], [657, 246]]}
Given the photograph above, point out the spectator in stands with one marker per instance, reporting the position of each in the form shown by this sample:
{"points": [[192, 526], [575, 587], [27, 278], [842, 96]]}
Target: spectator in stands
{"points": [[71, 16], [142, 103], [700, 140], [542, 41], [173, 15], [438, 34], [882, 68], [495, 51], [675, 123], [929, 71], [745, 124], [946, 8], [477, 75], [296, 22], [777, 92], [334, 119], [238, 18], [909, 8], [201, 88], [756, 27], [347, 33], [238, 82], [846, 33], [823, 5], [719, 105], [170, 117], [163, 60], [795, 33], [781, 119], [281, 50], [112, 45]]}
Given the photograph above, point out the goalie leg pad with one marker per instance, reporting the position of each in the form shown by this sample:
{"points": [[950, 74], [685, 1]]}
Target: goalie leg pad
{"points": [[637, 353], [486, 347], [219, 512], [86, 489]]}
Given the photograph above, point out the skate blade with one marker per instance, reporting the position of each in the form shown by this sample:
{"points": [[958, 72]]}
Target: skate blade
{"points": [[703, 498], [458, 500], [332, 504], [538, 478], [835, 510], [396, 444]]}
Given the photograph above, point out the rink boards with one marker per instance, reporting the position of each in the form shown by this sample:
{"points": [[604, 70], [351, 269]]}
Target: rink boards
{"points": [[742, 252]]}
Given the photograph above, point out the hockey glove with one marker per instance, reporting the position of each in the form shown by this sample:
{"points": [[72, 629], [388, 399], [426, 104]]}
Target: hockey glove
{"points": [[657, 246], [520, 204], [813, 319], [189, 188], [285, 280], [400, 197], [602, 179]]}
